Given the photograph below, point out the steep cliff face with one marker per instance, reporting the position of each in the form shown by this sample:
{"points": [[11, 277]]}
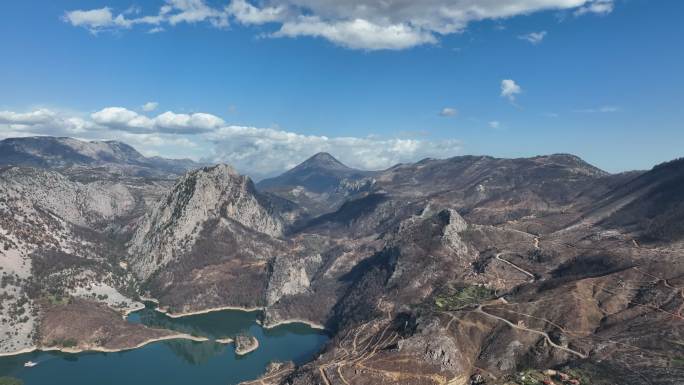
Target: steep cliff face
{"points": [[202, 198], [208, 243]]}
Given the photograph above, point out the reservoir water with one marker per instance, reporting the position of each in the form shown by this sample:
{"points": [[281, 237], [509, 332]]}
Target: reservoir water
{"points": [[175, 362]]}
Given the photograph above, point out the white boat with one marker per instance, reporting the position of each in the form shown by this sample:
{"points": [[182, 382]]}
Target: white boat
{"points": [[30, 364]]}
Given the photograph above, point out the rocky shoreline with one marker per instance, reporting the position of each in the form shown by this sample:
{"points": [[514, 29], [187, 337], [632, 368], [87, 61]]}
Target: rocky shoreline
{"points": [[310, 324], [245, 344], [100, 349], [207, 311], [248, 347]]}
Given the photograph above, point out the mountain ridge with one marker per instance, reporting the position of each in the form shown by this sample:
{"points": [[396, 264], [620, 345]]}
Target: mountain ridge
{"points": [[65, 152]]}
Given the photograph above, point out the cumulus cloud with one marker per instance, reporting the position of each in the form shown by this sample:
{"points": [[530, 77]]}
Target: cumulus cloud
{"points": [[28, 118], [258, 152], [96, 19], [448, 111], [172, 12], [43, 121], [533, 37], [494, 124], [169, 122], [357, 33], [509, 89], [267, 151], [150, 106], [355, 24]]}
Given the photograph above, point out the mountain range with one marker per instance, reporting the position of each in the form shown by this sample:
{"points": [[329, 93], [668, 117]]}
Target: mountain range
{"points": [[467, 270], [68, 153]]}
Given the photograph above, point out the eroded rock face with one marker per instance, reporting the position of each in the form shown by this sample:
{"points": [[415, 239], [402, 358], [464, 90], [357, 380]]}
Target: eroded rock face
{"points": [[435, 345], [199, 199], [211, 242], [74, 202], [291, 276]]}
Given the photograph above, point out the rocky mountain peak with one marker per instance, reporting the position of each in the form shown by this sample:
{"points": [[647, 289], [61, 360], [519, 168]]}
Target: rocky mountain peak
{"points": [[323, 161], [571, 162], [200, 201], [317, 179]]}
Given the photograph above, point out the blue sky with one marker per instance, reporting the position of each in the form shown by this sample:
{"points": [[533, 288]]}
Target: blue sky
{"points": [[263, 85]]}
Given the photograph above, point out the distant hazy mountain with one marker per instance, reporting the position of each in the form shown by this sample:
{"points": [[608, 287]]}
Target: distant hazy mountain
{"points": [[319, 174], [500, 189], [319, 184], [53, 152]]}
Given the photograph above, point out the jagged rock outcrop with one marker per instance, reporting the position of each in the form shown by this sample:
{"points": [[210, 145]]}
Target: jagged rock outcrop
{"points": [[291, 275], [209, 242], [213, 196]]}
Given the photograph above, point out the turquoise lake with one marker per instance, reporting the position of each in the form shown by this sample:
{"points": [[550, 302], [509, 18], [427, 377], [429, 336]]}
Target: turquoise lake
{"points": [[175, 362]]}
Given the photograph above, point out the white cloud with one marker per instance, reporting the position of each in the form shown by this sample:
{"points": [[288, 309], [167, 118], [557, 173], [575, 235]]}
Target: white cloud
{"points": [[34, 117], [357, 33], [247, 13], [601, 7], [601, 109], [258, 152], [266, 151], [193, 11], [123, 119], [172, 12], [93, 19], [448, 111], [169, 122], [355, 24], [509, 89], [187, 123], [494, 124], [533, 37], [42, 121], [150, 106]]}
